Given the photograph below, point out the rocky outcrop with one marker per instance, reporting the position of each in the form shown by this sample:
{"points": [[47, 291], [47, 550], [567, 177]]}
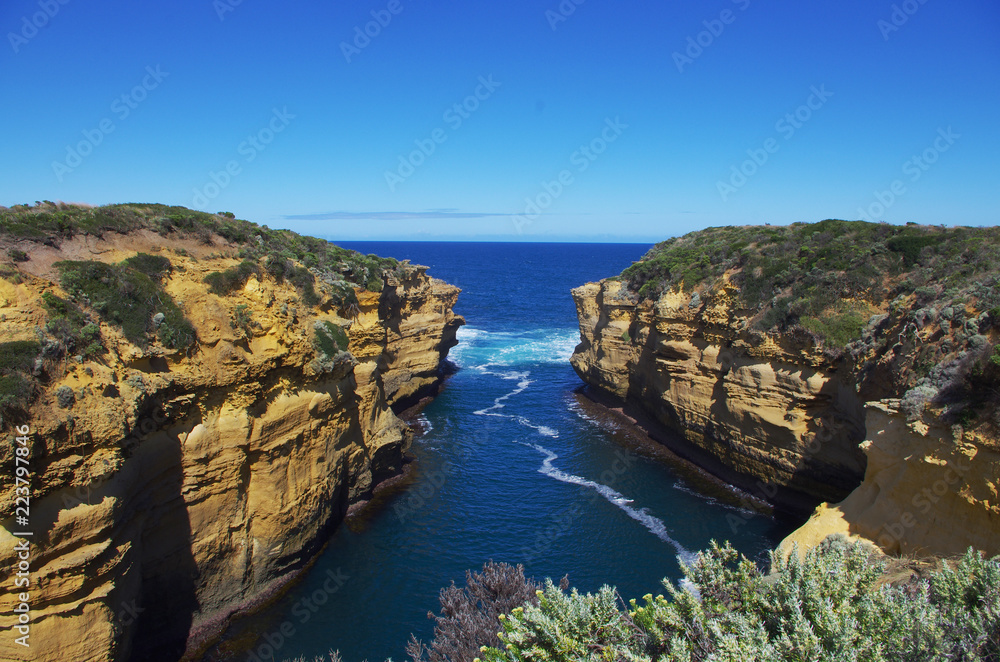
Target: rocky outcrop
{"points": [[173, 488], [771, 415], [930, 490]]}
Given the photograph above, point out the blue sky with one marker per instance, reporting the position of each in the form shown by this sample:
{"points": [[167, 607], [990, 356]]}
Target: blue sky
{"points": [[613, 121]]}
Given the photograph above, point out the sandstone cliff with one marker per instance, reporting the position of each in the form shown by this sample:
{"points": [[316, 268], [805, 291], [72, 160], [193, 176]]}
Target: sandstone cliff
{"points": [[174, 487], [767, 414], [930, 489], [836, 362]]}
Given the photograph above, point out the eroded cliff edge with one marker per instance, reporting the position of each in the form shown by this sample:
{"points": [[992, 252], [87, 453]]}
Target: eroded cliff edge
{"points": [[838, 362], [767, 414], [173, 487]]}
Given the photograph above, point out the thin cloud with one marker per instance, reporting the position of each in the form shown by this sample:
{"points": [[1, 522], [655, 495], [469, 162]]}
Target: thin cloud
{"points": [[434, 214]]}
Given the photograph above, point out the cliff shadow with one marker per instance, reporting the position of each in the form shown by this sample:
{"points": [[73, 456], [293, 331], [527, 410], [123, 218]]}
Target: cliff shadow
{"points": [[169, 573]]}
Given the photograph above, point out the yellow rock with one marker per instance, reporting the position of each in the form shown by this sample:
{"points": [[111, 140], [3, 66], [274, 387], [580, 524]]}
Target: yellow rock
{"points": [[181, 487]]}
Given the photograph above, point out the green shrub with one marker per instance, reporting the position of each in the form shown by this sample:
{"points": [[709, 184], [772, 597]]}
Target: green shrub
{"points": [[836, 330], [16, 392], [154, 266], [831, 605], [910, 245], [176, 332], [18, 355], [127, 298], [243, 320], [17, 386], [232, 279], [329, 338], [17, 255], [564, 627], [75, 333]]}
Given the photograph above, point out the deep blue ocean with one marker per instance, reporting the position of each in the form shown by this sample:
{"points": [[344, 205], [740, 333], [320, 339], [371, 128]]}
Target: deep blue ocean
{"points": [[512, 464]]}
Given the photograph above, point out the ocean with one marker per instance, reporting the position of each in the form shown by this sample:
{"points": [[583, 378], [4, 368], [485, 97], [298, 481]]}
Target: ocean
{"points": [[512, 464]]}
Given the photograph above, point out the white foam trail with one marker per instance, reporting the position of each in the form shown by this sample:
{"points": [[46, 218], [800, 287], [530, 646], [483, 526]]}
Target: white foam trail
{"points": [[544, 430], [508, 348], [681, 487], [641, 515], [523, 383]]}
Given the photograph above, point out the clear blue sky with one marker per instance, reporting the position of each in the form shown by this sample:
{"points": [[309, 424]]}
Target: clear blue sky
{"points": [[682, 125]]}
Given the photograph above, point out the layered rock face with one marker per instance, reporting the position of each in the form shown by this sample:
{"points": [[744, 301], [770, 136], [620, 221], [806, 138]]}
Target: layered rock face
{"points": [[175, 488], [771, 416], [930, 489], [774, 416]]}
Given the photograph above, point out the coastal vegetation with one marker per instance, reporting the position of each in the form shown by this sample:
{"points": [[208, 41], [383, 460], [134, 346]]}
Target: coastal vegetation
{"points": [[840, 601], [824, 275], [837, 603], [927, 297], [131, 295], [284, 254]]}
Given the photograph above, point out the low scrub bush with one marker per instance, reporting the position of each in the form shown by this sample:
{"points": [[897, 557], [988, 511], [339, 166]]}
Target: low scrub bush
{"points": [[329, 338], [72, 329], [232, 279], [16, 392], [790, 273], [18, 355], [154, 266], [469, 615], [830, 606], [127, 298], [17, 385]]}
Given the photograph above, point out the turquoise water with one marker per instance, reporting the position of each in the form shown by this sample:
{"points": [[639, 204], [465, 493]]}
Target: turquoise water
{"points": [[513, 464]]}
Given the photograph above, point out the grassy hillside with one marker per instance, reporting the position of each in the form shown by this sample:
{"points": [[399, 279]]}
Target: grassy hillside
{"points": [[927, 296], [49, 223], [130, 294]]}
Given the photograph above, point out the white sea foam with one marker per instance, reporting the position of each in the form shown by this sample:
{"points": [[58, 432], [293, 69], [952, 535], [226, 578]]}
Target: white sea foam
{"points": [[641, 515], [544, 430], [522, 383], [477, 348], [425, 424]]}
